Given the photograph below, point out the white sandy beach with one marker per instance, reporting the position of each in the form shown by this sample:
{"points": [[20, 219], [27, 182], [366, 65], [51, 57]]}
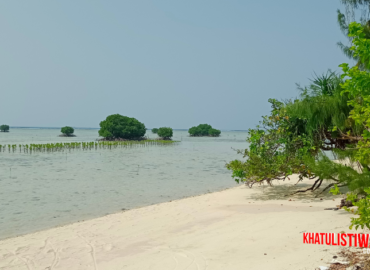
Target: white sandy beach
{"points": [[228, 230]]}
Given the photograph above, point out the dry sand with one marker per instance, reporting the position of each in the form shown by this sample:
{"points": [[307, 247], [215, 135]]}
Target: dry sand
{"points": [[238, 228]]}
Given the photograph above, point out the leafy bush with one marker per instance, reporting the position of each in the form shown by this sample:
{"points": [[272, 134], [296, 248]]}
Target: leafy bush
{"points": [[333, 115], [356, 86], [165, 132], [200, 130], [204, 130], [155, 130], [67, 130], [214, 132], [363, 210], [117, 126], [4, 128]]}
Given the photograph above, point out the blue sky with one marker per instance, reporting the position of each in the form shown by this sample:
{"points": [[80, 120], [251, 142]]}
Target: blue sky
{"points": [[166, 63]]}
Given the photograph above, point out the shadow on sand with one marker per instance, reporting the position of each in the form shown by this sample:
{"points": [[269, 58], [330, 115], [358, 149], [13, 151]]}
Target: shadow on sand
{"points": [[283, 190]]}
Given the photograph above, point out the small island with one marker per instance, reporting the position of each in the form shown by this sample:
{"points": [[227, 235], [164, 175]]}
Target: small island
{"points": [[203, 130], [4, 128], [67, 132]]}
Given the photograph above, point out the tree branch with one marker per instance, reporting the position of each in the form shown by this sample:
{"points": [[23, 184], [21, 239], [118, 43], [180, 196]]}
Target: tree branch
{"points": [[329, 186], [312, 188]]}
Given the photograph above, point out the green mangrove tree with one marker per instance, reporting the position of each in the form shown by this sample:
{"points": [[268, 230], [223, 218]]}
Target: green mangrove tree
{"points": [[204, 130], [117, 126], [4, 128], [68, 131], [165, 133], [331, 115]]}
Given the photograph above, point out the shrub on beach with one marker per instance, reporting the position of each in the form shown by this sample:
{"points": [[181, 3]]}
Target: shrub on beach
{"points": [[67, 130], [4, 128], [165, 133], [330, 116], [204, 130], [117, 126], [155, 130]]}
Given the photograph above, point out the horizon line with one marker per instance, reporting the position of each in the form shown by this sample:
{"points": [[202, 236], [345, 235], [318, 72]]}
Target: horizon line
{"points": [[98, 128]]}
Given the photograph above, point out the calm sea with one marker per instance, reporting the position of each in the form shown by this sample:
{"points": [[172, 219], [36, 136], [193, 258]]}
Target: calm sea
{"points": [[43, 190]]}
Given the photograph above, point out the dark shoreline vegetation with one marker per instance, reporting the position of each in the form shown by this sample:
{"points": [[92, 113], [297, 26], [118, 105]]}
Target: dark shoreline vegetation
{"points": [[60, 147], [117, 131]]}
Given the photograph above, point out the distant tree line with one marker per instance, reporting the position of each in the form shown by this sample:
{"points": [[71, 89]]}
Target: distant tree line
{"points": [[119, 127]]}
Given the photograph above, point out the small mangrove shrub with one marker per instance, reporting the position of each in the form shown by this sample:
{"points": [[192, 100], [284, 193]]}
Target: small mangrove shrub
{"points": [[165, 132], [60, 147], [4, 128], [204, 130], [155, 130], [117, 126], [68, 131]]}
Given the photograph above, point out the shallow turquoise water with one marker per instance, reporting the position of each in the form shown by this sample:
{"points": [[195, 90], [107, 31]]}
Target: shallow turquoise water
{"points": [[44, 190]]}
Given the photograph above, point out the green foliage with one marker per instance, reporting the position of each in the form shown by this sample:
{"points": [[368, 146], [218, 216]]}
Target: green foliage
{"points": [[351, 6], [276, 149], [332, 114], [165, 133], [67, 130], [117, 126], [200, 130], [4, 128], [356, 10], [335, 190], [363, 210], [294, 137], [214, 132], [324, 110], [358, 90], [344, 172], [356, 87], [155, 130], [325, 85], [204, 130]]}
